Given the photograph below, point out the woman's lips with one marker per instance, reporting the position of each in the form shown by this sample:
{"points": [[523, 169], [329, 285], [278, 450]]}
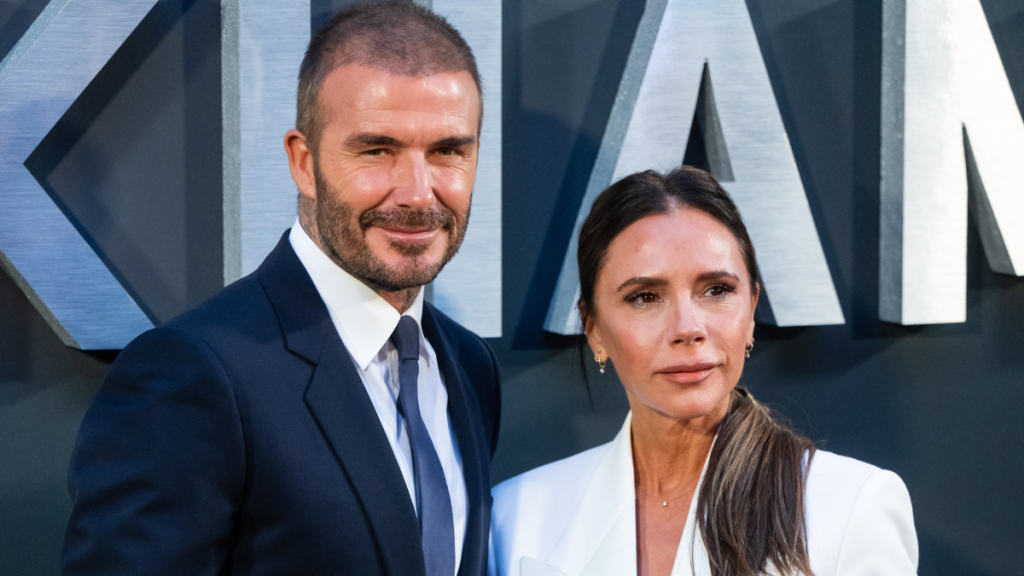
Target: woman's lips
{"points": [[689, 373]]}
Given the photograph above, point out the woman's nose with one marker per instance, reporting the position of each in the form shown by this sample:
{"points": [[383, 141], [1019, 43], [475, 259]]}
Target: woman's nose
{"points": [[687, 325]]}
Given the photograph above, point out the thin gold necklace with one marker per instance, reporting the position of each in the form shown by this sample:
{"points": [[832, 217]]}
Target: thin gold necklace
{"points": [[664, 503]]}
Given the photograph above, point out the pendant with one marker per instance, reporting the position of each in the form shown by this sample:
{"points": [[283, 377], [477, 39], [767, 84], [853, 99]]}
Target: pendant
{"points": [[665, 503]]}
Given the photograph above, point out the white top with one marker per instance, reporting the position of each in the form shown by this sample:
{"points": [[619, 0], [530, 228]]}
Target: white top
{"points": [[365, 322], [577, 517]]}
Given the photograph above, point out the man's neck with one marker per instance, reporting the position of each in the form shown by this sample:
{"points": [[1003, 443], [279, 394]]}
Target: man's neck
{"points": [[401, 300]]}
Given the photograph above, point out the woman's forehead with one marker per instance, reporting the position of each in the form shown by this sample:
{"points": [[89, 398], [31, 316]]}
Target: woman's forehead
{"points": [[684, 241]]}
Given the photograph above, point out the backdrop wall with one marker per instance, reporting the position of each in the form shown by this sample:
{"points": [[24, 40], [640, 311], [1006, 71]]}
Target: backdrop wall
{"points": [[137, 161]]}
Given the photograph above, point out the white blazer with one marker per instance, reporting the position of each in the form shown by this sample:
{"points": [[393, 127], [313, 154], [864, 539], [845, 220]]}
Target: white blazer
{"points": [[577, 517]]}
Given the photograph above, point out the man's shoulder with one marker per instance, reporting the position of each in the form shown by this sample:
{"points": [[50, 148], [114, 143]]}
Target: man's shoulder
{"points": [[239, 309], [238, 318]]}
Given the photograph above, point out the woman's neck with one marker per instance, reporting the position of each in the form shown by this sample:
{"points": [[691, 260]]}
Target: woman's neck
{"points": [[669, 454]]}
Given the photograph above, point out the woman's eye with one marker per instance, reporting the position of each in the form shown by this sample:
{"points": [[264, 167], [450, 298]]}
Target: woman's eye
{"points": [[643, 298], [719, 290]]}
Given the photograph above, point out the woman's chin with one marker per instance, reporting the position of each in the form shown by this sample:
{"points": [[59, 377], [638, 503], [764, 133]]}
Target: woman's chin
{"points": [[691, 405]]}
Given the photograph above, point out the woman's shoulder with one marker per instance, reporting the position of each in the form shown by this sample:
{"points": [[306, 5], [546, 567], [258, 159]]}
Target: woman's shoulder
{"points": [[835, 483], [531, 510], [554, 482], [857, 511]]}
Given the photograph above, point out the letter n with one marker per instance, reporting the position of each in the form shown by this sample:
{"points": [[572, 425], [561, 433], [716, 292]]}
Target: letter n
{"points": [[952, 143]]}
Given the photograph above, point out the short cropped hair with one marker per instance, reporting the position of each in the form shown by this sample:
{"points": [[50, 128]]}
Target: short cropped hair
{"points": [[393, 35]]}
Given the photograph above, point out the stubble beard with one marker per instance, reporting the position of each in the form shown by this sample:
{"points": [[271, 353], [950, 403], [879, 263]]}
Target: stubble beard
{"points": [[343, 239]]}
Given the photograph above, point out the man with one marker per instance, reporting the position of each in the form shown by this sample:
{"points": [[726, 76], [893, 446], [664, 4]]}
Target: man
{"points": [[317, 417]]}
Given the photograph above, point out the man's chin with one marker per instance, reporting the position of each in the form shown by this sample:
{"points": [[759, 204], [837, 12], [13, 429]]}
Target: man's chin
{"points": [[401, 272]]}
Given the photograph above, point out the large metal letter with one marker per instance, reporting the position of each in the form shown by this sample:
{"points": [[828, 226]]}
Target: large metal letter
{"points": [[648, 128], [49, 259], [943, 86], [262, 44], [469, 288]]}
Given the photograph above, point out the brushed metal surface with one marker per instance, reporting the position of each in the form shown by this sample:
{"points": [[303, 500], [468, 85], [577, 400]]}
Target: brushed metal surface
{"points": [[263, 42], [53, 264], [648, 128], [469, 288], [944, 86]]}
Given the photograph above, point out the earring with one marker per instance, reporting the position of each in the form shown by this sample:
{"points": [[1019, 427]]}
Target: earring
{"points": [[749, 347], [600, 363]]}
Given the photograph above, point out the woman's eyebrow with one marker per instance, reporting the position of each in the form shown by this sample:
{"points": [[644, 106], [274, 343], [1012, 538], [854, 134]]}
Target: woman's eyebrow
{"points": [[651, 282], [717, 275], [641, 281]]}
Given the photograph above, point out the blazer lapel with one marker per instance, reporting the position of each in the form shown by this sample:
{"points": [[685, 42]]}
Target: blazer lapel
{"points": [[600, 537], [692, 556], [463, 411], [339, 404]]}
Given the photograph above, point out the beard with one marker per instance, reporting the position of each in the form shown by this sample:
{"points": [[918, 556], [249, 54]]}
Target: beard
{"points": [[343, 237]]}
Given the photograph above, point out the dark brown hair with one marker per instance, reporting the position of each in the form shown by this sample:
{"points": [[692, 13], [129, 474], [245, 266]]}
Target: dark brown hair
{"points": [[750, 508], [393, 35]]}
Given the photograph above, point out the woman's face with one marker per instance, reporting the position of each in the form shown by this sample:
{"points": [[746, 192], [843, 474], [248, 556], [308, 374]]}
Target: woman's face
{"points": [[674, 313]]}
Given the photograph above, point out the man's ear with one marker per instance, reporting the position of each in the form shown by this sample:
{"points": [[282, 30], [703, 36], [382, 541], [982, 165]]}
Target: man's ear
{"points": [[300, 162]]}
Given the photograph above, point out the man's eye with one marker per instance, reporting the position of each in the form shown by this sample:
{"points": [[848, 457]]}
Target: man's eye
{"points": [[376, 152], [446, 151]]}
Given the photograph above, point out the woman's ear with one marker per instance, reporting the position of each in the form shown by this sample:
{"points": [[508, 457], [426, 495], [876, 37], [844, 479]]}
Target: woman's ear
{"points": [[753, 310], [593, 334]]}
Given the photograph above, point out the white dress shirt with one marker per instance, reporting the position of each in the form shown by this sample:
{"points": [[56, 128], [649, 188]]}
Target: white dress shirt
{"points": [[365, 322]]}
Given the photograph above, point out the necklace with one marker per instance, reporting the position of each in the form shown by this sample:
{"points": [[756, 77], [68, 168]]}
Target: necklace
{"points": [[664, 503]]}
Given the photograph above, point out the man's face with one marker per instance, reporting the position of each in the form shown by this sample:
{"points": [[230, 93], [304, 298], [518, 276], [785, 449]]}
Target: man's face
{"points": [[394, 172]]}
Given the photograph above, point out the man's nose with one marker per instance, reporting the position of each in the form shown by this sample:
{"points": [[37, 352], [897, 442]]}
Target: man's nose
{"points": [[413, 183]]}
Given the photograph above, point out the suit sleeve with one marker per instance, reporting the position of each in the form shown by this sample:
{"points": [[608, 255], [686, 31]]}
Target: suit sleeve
{"points": [[879, 539], [158, 470]]}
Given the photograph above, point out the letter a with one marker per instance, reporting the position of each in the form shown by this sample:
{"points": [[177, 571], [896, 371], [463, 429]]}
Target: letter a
{"points": [[681, 49]]}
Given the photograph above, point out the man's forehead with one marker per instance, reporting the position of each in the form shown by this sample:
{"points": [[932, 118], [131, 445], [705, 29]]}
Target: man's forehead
{"points": [[361, 77], [363, 94]]}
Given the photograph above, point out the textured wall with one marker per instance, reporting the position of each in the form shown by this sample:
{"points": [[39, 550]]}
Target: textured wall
{"points": [[937, 404]]}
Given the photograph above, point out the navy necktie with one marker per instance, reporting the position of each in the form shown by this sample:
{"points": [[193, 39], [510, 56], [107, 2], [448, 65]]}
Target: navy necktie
{"points": [[436, 524]]}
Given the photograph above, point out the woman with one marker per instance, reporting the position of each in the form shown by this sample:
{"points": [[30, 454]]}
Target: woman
{"points": [[701, 479]]}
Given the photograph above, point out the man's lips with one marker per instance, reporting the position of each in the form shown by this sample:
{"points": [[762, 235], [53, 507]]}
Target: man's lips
{"points": [[411, 234], [689, 372]]}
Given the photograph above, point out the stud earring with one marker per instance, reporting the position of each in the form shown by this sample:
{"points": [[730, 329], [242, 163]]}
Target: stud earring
{"points": [[600, 363], [749, 347]]}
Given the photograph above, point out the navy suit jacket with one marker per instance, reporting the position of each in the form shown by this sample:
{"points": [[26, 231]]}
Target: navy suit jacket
{"points": [[239, 439]]}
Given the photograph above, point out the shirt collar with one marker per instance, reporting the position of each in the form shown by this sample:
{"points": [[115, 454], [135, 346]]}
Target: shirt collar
{"points": [[365, 321]]}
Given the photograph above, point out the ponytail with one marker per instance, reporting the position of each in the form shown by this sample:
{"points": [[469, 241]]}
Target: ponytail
{"points": [[751, 505]]}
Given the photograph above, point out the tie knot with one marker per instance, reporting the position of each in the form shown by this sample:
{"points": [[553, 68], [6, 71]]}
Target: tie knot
{"points": [[406, 339]]}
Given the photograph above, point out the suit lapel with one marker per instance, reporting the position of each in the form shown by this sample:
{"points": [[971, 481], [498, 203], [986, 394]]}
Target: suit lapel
{"points": [[338, 402], [464, 413]]}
